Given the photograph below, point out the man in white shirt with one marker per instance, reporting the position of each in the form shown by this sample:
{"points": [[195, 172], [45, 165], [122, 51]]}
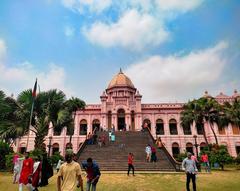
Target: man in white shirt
{"points": [[148, 152], [190, 168]]}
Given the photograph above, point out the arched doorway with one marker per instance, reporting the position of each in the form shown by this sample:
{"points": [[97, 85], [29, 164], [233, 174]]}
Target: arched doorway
{"points": [[189, 147], [175, 150], [83, 127], [69, 146], [202, 146], [147, 122], [238, 148], [109, 117], [96, 125], [121, 119], [132, 121], [55, 148], [22, 148]]}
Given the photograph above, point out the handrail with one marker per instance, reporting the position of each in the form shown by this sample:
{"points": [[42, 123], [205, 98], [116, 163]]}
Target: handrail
{"points": [[83, 145], [176, 164]]}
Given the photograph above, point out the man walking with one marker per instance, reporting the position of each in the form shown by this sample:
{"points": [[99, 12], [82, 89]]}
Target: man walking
{"points": [[69, 174], [130, 163], [93, 174], [190, 168]]}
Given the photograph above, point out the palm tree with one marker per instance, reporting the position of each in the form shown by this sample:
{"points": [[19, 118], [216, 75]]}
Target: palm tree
{"points": [[201, 111], [49, 107], [230, 114], [12, 122], [192, 114], [210, 111], [72, 105]]}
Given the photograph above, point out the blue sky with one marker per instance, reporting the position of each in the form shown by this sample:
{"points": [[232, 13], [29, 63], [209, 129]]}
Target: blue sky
{"points": [[172, 50]]}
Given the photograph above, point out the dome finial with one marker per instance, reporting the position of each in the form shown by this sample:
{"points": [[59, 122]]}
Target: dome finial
{"points": [[120, 72]]}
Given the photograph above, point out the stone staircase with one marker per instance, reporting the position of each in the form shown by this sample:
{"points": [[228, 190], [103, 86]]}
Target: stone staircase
{"points": [[113, 156]]}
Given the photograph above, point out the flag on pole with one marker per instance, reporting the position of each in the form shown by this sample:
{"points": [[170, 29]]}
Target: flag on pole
{"points": [[34, 92]]}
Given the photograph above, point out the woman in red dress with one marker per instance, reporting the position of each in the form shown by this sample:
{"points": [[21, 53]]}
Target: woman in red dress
{"points": [[27, 170], [36, 177]]}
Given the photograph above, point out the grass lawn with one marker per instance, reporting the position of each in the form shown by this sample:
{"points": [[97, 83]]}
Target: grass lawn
{"points": [[216, 181]]}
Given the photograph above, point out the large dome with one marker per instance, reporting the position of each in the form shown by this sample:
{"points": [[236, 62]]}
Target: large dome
{"points": [[120, 80]]}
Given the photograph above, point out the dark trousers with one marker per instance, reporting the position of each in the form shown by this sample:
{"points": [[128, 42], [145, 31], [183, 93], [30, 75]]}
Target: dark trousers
{"points": [[189, 177], [130, 166]]}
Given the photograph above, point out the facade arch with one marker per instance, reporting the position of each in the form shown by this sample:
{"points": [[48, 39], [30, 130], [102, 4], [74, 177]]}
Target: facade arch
{"points": [[96, 125], [189, 147], [55, 148], [237, 146], [147, 123], [69, 146], [187, 130], [159, 127], [175, 149], [202, 145], [121, 121], [173, 127], [83, 127]]}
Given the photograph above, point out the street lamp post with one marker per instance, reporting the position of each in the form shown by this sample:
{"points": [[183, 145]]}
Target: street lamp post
{"points": [[196, 145], [50, 145]]}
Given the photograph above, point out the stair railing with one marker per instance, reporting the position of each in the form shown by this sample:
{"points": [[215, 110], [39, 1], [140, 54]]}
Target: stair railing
{"points": [[83, 145], [176, 164]]}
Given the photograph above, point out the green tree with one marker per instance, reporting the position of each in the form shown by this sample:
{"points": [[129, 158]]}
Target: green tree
{"points": [[12, 121], [49, 107], [201, 111], [71, 106], [220, 155]]}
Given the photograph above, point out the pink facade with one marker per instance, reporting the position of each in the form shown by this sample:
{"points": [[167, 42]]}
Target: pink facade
{"points": [[121, 108]]}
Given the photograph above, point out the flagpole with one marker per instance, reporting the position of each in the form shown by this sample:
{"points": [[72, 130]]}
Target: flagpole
{"points": [[30, 122], [31, 114]]}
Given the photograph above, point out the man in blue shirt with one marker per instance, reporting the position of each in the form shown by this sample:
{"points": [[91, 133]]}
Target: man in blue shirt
{"points": [[93, 173], [190, 168]]}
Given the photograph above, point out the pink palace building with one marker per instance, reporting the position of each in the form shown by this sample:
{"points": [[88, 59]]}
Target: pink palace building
{"points": [[121, 107]]}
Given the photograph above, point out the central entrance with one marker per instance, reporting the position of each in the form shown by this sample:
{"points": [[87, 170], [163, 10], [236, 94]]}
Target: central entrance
{"points": [[121, 119]]}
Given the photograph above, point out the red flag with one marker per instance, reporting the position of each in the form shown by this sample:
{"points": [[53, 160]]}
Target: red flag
{"points": [[34, 92]]}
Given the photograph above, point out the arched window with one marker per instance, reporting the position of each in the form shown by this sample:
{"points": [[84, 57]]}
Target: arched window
{"points": [[83, 127], [22, 148], [175, 150], [147, 123], [187, 130], [173, 127], [96, 125], [55, 148], [69, 146], [202, 145], [199, 127], [238, 147], [189, 147], [159, 127]]}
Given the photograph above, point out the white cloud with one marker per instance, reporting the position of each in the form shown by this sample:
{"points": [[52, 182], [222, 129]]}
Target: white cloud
{"points": [[141, 23], [178, 5], [132, 30], [94, 6], [179, 77], [17, 78], [69, 31]]}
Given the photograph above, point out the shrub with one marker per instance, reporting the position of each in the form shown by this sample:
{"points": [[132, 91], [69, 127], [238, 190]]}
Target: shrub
{"points": [[4, 150], [55, 158], [180, 157]]}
